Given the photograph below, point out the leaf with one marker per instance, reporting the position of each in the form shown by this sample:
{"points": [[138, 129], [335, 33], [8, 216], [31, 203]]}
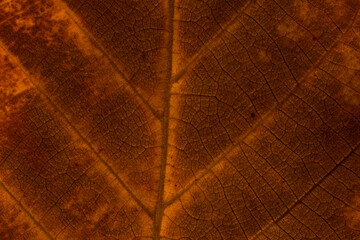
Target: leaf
{"points": [[179, 119]]}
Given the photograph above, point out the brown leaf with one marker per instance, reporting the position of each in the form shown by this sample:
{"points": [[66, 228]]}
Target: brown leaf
{"points": [[185, 119]]}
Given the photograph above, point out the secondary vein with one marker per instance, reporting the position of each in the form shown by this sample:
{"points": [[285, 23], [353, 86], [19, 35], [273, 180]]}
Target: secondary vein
{"points": [[77, 132], [26, 211], [109, 58], [265, 118]]}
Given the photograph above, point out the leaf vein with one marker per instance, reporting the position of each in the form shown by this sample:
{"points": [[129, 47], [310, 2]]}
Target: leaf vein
{"points": [[266, 116]]}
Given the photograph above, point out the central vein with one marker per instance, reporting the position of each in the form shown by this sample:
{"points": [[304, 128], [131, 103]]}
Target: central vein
{"points": [[159, 208]]}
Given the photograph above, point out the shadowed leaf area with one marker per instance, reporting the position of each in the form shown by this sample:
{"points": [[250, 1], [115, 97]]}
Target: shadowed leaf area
{"points": [[179, 119]]}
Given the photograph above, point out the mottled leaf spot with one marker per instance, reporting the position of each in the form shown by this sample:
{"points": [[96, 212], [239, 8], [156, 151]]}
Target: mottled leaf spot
{"points": [[352, 213]]}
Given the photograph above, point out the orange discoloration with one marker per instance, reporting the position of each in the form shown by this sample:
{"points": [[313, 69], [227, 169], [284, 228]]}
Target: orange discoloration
{"points": [[352, 212], [351, 97], [15, 90], [13, 86], [291, 30], [305, 10]]}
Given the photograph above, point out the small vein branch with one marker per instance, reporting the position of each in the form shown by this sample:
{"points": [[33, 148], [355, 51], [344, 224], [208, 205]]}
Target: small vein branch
{"points": [[300, 200]]}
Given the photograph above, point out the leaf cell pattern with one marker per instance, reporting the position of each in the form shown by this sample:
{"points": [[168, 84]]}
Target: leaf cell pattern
{"points": [[179, 119]]}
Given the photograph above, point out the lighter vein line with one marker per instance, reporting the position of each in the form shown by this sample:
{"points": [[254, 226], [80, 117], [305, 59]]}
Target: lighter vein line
{"points": [[26, 211], [264, 119], [159, 208], [77, 132], [108, 57], [306, 193], [206, 46]]}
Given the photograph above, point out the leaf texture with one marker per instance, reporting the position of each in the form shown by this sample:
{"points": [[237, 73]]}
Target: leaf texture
{"points": [[179, 119]]}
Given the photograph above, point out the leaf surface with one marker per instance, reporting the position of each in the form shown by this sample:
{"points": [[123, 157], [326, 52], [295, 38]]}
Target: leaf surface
{"points": [[179, 119]]}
